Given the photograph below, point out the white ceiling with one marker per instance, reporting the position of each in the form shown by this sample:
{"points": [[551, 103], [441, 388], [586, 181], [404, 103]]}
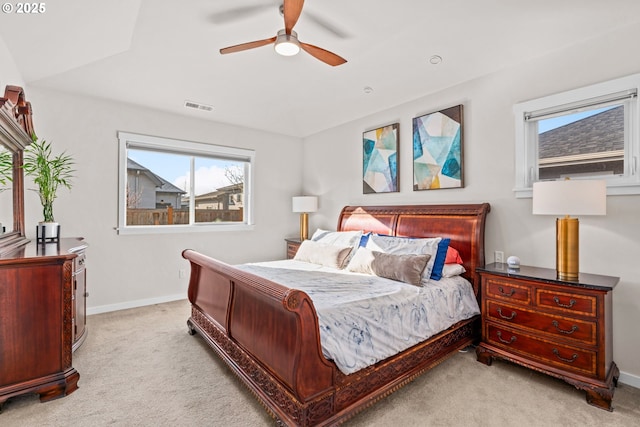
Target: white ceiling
{"points": [[159, 53]]}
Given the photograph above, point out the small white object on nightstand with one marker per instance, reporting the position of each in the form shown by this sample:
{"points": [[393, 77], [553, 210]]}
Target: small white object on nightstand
{"points": [[513, 262]]}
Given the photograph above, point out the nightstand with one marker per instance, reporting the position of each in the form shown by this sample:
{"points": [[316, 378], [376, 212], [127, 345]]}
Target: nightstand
{"points": [[557, 327], [293, 244]]}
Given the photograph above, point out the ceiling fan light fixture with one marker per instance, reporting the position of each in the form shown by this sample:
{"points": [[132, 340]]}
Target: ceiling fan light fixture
{"points": [[287, 44]]}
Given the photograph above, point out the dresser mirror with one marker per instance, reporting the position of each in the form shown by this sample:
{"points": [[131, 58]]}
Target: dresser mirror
{"points": [[16, 127], [6, 194]]}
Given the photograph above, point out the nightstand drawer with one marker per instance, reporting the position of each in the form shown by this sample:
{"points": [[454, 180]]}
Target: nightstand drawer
{"points": [[581, 331], [567, 302], [292, 247], [506, 289], [563, 356]]}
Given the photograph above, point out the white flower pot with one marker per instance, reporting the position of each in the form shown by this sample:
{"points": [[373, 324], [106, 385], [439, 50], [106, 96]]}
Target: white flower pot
{"points": [[48, 231]]}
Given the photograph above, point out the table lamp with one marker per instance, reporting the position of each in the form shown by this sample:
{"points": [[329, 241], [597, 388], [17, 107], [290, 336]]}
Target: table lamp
{"points": [[569, 197], [304, 205]]}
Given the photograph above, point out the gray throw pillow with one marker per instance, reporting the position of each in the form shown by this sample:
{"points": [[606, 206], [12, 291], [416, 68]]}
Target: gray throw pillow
{"points": [[403, 268]]}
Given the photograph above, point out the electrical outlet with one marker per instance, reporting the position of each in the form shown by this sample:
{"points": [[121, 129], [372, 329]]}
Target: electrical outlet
{"points": [[498, 257], [182, 273]]}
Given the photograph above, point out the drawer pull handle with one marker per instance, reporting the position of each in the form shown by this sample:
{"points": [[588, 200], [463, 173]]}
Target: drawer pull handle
{"points": [[564, 331], [557, 353], [510, 341], [502, 292], [571, 302], [513, 314]]}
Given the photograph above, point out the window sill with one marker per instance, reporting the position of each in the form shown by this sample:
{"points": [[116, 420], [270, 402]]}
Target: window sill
{"points": [[613, 189], [173, 229]]}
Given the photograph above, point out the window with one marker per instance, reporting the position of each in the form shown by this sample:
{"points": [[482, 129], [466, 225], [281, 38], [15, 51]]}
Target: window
{"points": [[168, 185], [590, 132]]}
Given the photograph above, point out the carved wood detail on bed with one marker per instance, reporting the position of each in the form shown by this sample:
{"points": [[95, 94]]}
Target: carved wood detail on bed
{"points": [[269, 337]]}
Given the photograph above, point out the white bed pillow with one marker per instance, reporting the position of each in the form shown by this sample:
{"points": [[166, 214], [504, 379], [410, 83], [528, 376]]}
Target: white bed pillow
{"points": [[450, 270], [406, 246], [361, 261], [323, 254], [339, 238]]}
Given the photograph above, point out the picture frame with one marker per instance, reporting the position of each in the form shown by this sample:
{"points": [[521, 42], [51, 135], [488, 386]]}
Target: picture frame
{"points": [[380, 159], [438, 150]]}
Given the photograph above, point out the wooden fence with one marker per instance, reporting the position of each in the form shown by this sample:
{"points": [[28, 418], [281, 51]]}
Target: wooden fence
{"points": [[169, 216]]}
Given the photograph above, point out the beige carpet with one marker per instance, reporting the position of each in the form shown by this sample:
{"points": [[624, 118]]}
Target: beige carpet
{"points": [[139, 367]]}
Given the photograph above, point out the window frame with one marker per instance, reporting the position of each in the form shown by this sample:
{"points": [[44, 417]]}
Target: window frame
{"points": [[128, 140], [526, 149]]}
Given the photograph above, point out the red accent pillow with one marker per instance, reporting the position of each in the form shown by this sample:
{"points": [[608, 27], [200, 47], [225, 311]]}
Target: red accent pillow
{"points": [[453, 256]]}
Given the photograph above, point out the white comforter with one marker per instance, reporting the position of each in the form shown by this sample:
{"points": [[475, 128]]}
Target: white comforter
{"points": [[364, 319]]}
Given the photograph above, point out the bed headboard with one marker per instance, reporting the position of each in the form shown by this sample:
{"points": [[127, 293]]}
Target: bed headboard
{"points": [[463, 224]]}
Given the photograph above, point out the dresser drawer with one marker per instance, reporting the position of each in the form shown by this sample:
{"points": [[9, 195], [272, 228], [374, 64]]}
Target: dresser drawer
{"points": [[584, 305], [519, 293], [582, 331], [563, 356], [79, 262]]}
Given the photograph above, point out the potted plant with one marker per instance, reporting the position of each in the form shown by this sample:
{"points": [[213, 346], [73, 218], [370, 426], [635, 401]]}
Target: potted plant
{"points": [[48, 173], [6, 167]]}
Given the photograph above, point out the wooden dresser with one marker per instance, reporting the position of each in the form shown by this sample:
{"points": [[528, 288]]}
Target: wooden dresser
{"points": [[42, 315], [560, 328]]}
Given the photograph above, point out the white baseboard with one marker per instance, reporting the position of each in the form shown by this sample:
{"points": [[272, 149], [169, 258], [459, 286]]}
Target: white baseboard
{"points": [[625, 378], [133, 304], [629, 379]]}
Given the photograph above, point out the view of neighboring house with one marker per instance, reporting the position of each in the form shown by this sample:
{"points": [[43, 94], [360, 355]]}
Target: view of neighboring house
{"points": [[149, 191], [146, 190], [593, 145], [225, 198]]}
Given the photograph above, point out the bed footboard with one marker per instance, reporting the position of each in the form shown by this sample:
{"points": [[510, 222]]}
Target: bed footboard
{"points": [[266, 333]]}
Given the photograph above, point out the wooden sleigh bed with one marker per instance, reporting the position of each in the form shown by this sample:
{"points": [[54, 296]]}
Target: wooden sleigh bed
{"points": [[269, 337]]}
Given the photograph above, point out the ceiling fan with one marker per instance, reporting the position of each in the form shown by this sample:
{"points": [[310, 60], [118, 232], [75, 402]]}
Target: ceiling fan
{"points": [[286, 41]]}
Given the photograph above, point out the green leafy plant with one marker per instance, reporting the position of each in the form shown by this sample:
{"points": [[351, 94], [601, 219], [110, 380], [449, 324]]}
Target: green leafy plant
{"points": [[6, 167], [48, 173]]}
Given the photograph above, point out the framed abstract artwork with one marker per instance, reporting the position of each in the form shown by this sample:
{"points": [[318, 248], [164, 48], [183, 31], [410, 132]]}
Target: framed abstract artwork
{"points": [[437, 150], [380, 160]]}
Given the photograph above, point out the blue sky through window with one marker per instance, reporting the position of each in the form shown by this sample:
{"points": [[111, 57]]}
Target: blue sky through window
{"points": [[210, 172]]}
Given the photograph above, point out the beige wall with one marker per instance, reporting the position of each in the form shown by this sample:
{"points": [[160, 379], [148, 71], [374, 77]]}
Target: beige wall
{"points": [[9, 75], [131, 270], [609, 245]]}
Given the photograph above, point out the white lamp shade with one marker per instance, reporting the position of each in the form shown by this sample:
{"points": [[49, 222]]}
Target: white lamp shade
{"points": [[305, 204], [570, 197]]}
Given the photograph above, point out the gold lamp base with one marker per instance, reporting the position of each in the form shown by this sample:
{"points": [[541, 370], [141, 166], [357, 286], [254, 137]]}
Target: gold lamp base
{"points": [[304, 226], [567, 248]]}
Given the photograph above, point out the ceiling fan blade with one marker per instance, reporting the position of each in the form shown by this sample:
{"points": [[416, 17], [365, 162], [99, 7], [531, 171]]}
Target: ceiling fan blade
{"points": [[292, 11], [322, 54], [247, 46], [237, 13]]}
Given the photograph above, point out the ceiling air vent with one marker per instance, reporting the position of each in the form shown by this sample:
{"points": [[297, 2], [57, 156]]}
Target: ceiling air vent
{"points": [[198, 106]]}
